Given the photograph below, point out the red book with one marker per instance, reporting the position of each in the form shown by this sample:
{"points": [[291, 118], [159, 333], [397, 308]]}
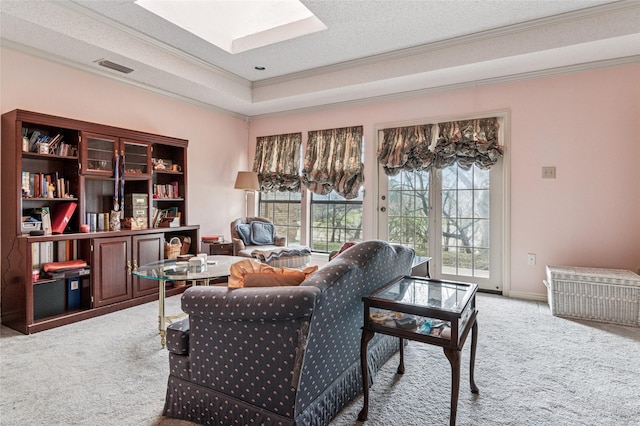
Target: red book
{"points": [[61, 217]]}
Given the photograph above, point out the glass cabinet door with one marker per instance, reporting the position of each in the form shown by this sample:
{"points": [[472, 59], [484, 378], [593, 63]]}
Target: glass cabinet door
{"points": [[97, 154], [137, 159]]}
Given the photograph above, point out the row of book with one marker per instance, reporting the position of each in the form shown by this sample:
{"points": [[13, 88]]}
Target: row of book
{"points": [[44, 185], [52, 251], [54, 145], [169, 190], [98, 222]]}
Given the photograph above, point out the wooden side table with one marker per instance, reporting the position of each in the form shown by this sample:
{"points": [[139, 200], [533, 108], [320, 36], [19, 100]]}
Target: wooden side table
{"points": [[223, 248], [436, 312]]}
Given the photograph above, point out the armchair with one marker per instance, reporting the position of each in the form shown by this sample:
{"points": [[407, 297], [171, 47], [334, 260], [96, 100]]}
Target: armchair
{"points": [[255, 237]]}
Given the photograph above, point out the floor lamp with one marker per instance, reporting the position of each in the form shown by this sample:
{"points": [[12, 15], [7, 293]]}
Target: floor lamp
{"points": [[247, 181]]}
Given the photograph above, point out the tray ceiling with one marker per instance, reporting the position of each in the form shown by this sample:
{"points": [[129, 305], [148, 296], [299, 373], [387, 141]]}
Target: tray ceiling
{"points": [[371, 50]]}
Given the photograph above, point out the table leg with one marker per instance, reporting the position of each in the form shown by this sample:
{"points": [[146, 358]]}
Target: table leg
{"points": [[453, 356], [474, 340], [364, 341], [162, 325], [401, 365]]}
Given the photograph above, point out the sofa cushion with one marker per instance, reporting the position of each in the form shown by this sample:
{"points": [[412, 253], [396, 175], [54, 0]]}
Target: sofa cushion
{"points": [[251, 273], [244, 231], [262, 233]]}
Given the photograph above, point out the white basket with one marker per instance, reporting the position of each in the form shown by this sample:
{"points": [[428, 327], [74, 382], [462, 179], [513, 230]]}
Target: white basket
{"points": [[608, 295]]}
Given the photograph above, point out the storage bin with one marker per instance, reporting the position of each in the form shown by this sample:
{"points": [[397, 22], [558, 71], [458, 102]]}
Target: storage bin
{"points": [[48, 298], [598, 294]]}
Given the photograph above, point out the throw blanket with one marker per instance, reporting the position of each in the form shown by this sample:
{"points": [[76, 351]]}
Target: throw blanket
{"points": [[266, 256]]}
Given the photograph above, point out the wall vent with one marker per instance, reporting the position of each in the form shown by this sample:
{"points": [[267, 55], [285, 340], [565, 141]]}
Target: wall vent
{"points": [[114, 66]]}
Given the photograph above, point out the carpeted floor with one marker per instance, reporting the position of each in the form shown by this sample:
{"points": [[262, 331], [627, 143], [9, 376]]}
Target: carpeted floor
{"points": [[531, 368]]}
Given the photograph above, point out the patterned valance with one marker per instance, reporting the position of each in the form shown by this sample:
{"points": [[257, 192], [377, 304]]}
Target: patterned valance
{"points": [[406, 148], [467, 142], [333, 161], [277, 161]]}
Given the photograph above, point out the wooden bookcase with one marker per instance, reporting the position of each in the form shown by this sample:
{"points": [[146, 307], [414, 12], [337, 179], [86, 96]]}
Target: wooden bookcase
{"points": [[78, 168]]}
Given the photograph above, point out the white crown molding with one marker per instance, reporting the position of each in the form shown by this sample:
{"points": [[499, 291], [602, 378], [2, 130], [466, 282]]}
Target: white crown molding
{"points": [[37, 53], [455, 42], [458, 86]]}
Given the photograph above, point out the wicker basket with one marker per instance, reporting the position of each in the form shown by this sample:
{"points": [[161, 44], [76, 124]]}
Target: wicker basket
{"points": [[172, 248], [607, 295]]}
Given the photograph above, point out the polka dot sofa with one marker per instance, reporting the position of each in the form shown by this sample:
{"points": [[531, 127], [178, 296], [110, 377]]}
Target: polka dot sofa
{"points": [[280, 355]]}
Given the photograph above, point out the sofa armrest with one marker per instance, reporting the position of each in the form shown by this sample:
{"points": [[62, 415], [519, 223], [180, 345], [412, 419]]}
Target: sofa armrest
{"points": [[250, 304], [178, 337]]}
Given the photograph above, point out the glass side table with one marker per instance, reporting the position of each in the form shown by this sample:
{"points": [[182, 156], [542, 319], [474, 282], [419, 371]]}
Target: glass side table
{"points": [[425, 310], [216, 270]]}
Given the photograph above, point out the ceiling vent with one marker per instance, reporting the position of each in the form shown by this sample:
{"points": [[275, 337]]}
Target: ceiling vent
{"points": [[114, 66]]}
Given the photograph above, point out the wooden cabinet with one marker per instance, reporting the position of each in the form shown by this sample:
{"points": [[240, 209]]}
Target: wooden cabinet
{"points": [[112, 261], [111, 265], [146, 249], [220, 248], [98, 153], [50, 162]]}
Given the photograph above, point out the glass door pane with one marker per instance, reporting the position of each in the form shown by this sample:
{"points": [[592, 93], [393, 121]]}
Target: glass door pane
{"points": [[136, 159], [465, 222], [98, 154], [408, 217]]}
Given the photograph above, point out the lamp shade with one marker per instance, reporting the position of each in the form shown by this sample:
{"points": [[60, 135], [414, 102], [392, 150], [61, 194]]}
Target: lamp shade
{"points": [[247, 181]]}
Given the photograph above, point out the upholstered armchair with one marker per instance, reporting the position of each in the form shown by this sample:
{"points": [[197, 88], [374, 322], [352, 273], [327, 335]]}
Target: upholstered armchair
{"points": [[256, 237], [245, 241]]}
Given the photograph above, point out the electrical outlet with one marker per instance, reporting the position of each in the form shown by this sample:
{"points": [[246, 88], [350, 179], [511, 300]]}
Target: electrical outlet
{"points": [[531, 259], [549, 172]]}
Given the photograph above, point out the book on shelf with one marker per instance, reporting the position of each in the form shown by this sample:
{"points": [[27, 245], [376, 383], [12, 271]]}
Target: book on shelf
{"points": [[46, 220], [166, 191], [46, 252], [61, 216], [163, 217], [44, 185], [54, 145], [35, 257]]}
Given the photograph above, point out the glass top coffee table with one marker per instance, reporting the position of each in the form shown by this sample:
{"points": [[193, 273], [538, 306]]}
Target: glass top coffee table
{"points": [[425, 310], [215, 268]]}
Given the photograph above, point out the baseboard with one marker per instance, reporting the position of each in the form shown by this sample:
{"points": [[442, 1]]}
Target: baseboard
{"points": [[538, 297]]}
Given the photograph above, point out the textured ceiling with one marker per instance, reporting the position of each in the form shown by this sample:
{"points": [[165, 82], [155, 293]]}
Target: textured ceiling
{"points": [[371, 50]]}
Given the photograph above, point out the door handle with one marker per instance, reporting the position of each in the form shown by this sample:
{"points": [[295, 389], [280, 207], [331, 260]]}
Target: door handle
{"points": [[383, 209], [129, 267]]}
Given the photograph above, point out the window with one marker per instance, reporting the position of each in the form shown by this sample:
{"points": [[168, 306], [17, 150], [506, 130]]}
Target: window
{"points": [[450, 215], [284, 210], [441, 192], [334, 221], [409, 210]]}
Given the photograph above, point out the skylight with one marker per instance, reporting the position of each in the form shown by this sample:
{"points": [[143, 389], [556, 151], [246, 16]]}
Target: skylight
{"points": [[238, 25]]}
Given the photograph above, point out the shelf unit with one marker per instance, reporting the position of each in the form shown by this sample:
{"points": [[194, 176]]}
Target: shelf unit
{"points": [[78, 168]]}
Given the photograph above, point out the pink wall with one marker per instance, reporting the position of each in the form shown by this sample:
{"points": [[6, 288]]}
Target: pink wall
{"points": [[217, 141], [585, 124]]}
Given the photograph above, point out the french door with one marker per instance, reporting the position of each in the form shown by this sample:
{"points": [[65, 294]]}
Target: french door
{"points": [[452, 215]]}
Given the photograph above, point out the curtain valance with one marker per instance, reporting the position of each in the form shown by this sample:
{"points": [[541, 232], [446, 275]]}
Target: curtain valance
{"points": [[466, 142], [406, 148], [333, 161], [277, 162]]}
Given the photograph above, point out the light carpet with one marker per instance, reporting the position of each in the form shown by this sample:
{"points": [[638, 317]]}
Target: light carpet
{"points": [[532, 369]]}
